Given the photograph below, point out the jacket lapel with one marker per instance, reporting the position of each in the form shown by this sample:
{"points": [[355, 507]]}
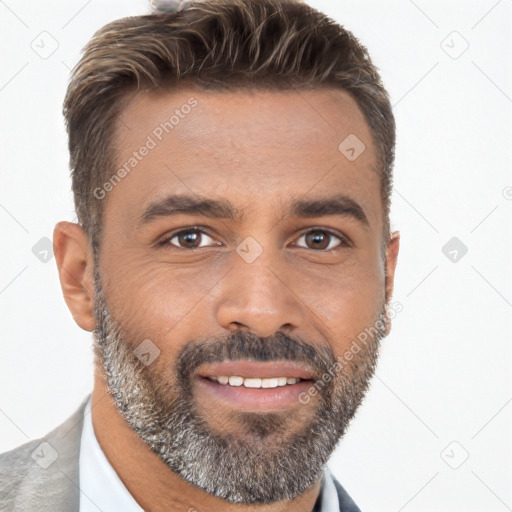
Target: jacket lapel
{"points": [[47, 469], [346, 502]]}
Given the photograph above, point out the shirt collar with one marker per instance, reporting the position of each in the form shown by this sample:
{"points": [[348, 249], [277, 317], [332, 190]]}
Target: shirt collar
{"points": [[101, 489]]}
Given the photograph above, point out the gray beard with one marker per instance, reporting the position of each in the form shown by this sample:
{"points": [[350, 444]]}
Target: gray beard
{"points": [[269, 463]]}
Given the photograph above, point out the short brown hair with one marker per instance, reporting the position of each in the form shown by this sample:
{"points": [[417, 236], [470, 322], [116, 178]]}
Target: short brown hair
{"points": [[222, 44]]}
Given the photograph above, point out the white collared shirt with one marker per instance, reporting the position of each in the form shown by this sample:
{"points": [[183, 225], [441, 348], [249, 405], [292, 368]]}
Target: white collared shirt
{"points": [[101, 490]]}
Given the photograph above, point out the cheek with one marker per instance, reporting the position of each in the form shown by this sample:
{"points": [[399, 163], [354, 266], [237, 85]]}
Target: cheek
{"points": [[156, 300], [345, 301]]}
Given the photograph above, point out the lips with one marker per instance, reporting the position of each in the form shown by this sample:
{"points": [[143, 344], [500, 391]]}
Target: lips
{"points": [[253, 385]]}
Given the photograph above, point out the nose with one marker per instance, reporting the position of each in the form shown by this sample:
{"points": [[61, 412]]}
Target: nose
{"points": [[258, 297]]}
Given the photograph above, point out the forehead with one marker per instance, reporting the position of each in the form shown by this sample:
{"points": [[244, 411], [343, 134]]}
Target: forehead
{"points": [[259, 147], [320, 115]]}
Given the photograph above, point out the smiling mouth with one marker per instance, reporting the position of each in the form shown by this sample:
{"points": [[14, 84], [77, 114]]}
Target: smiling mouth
{"points": [[253, 385]]}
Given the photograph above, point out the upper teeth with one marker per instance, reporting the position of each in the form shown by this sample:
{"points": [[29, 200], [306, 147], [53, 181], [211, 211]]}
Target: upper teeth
{"points": [[273, 382]]}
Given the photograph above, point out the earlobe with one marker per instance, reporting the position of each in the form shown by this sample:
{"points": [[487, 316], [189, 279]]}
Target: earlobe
{"points": [[75, 264], [391, 261]]}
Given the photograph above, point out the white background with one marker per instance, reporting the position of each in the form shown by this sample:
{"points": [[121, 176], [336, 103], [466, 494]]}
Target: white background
{"points": [[444, 374]]}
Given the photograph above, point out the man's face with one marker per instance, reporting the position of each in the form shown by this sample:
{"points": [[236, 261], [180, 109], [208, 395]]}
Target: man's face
{"points": [[270, 284]]}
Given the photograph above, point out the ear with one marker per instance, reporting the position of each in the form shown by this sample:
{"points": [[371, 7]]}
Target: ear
{"points": [[391, 260], [75, 264]]}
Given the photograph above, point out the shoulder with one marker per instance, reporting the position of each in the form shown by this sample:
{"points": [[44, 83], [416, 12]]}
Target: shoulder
{"points": [[42, 473], [14, 467]]}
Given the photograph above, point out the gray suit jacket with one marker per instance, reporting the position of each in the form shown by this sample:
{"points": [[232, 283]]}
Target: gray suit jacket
{"points": [[42, 475]]}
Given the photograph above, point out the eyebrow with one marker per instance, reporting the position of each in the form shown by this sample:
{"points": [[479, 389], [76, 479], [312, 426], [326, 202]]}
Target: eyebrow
{"points": [[222, 209], [337, 205], [182, 204]]}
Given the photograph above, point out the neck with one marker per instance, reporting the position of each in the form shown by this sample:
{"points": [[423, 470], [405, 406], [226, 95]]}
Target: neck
{"points": [[150, 481]]}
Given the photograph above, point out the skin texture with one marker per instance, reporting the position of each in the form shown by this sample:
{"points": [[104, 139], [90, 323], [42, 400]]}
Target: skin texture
{"points": [[259, 150]]}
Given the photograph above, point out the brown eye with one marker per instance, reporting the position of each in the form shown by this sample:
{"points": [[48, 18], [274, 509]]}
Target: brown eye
{"points": [[188, 239], [321, 240]]}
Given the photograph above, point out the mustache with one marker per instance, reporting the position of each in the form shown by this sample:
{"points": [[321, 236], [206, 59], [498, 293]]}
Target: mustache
{"points": [[240, 345]]}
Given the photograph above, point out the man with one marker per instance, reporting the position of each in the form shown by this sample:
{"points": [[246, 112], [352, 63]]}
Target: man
{"points": [[231, 168]]}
